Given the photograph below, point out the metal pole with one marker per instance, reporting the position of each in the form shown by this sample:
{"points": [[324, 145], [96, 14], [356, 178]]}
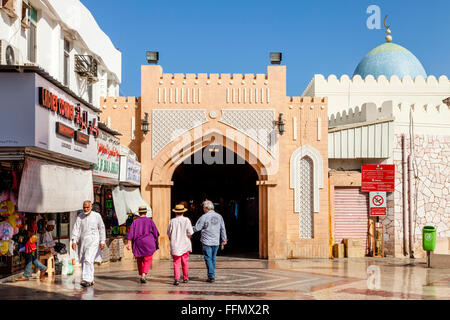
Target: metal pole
{"points": [[404, 194], [410, 206]]}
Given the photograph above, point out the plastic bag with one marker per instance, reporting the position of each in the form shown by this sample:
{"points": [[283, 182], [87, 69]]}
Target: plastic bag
{"points": [[67, 267]]}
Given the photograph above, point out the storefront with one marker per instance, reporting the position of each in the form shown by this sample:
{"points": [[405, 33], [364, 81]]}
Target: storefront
{"points": [[106, 178], [47, 150], [127, 196]]}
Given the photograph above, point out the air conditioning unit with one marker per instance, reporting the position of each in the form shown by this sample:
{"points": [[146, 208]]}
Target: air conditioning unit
{"points": [[9, 55]]}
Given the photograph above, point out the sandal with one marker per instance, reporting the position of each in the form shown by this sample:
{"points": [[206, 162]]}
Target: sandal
{"points": [[22, 279]]}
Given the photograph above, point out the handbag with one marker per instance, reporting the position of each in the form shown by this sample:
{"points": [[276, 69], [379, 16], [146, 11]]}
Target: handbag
{"points": [[60, 248]]}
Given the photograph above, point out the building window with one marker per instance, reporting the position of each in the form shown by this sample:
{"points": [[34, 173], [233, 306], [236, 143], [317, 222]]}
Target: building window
{"points": [[66, 63], [306, 178], [306, 195], [32, 33]]}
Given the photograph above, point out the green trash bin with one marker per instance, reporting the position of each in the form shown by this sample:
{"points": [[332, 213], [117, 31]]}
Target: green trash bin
{"points": [[429, 238]]}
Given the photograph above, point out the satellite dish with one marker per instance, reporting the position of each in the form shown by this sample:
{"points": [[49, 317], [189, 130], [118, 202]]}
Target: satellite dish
{"points": [[10, 56]]}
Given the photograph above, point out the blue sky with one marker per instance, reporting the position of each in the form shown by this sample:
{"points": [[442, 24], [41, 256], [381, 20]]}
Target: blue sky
{"points": [[236, 36]]}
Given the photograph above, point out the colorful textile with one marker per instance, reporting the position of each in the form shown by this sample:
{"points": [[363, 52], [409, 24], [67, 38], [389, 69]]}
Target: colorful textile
{"points": [[6, 231]]}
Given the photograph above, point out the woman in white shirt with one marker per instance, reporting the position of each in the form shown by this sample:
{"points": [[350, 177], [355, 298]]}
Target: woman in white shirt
{"points": [[180, 232]]}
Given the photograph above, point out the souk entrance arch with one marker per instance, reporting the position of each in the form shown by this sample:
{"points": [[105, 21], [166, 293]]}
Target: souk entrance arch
{"points": [[171, 174], [231, 186]]}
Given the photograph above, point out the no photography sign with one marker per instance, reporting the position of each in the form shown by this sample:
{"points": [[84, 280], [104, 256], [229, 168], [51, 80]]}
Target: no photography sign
{"points": [[377, 204]]}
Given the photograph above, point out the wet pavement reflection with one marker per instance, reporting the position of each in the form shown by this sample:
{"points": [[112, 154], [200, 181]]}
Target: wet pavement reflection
{"points": [[243, 279]]}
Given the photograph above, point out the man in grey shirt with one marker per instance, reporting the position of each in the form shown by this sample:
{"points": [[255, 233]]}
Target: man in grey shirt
{"points": [[213, 230]]}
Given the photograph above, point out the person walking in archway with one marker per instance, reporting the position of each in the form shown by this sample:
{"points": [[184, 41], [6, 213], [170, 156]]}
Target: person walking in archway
{"points": [[180, 232], [213, 234], [143, 236]]}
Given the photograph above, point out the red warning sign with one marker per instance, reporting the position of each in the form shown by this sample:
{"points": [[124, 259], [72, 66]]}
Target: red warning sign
{"points": [[378, 177]]}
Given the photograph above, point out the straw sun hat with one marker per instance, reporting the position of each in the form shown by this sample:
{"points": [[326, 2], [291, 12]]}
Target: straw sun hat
{"points": [[179, 208], [142, 209]]}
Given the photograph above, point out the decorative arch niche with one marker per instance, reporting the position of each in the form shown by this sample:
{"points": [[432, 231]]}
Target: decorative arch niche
{"points": [[295, 167]]}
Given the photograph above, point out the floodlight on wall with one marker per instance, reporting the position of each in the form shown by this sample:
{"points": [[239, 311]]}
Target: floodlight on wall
{"points": [[145, 124], [276, 57], [152, 57], [280, 124]]}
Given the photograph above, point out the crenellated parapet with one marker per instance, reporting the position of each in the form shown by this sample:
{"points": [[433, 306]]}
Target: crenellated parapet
{"points": [[307, 100], [425, 115], [367, 112], [119, 103], [370, 83], [188, 89], [174, 79]]}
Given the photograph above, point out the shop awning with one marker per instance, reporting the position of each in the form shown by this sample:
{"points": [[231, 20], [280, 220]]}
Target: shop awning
{"points": [[126, 200], [47, 187]]}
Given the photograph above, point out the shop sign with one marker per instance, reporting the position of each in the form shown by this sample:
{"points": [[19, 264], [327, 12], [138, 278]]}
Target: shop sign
{"points": [[65, 109], [64, 130], [377, 204], [63, 124], [378, 177], [40, 114], [108, 156], [130, 170]]}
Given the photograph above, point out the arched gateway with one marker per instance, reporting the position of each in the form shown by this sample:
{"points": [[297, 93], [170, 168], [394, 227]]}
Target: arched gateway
{"points": [[231, 120]]}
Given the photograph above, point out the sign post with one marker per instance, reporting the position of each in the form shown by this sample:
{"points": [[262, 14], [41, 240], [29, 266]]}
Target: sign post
{"points": [[377, 179]]}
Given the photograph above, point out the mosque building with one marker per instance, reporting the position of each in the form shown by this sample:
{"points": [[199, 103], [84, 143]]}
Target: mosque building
{"points": [[373, 117]]}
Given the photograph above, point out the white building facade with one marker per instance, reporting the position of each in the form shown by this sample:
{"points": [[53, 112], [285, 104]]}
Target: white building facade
{"points": [[63, 38], [373, 117]]}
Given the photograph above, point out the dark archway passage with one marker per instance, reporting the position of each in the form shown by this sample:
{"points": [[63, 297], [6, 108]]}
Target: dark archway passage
{"points": [[233, 190]]}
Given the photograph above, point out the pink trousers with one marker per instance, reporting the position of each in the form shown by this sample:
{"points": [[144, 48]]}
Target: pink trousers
{"points": [[144, 264], [184, 261]]}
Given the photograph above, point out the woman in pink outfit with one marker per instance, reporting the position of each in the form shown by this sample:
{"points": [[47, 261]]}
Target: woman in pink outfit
{"points": [[143, 236], [180, 231]]}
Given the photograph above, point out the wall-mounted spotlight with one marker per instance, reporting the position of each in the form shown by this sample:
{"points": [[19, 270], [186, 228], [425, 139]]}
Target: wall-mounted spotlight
{"points": [[280, 124], [145, 124], [152, 57], [276, 57]]}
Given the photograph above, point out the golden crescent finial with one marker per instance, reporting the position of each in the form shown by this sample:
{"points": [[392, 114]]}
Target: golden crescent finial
{"points": [[387, 27]]}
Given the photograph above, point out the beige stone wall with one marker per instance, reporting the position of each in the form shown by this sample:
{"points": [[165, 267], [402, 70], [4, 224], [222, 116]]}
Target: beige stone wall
{"points": [[307, 112], [120, 112], [431, 189], [279, 225]]}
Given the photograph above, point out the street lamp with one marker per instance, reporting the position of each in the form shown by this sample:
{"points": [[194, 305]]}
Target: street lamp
{"points": [[145, 124], [280, 123]]}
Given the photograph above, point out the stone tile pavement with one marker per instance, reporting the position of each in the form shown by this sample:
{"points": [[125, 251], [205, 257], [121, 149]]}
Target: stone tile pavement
{"points": [[250, 279]]}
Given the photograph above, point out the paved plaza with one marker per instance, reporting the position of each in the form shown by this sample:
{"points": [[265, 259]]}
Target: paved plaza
{"points": [[250, 279]]}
